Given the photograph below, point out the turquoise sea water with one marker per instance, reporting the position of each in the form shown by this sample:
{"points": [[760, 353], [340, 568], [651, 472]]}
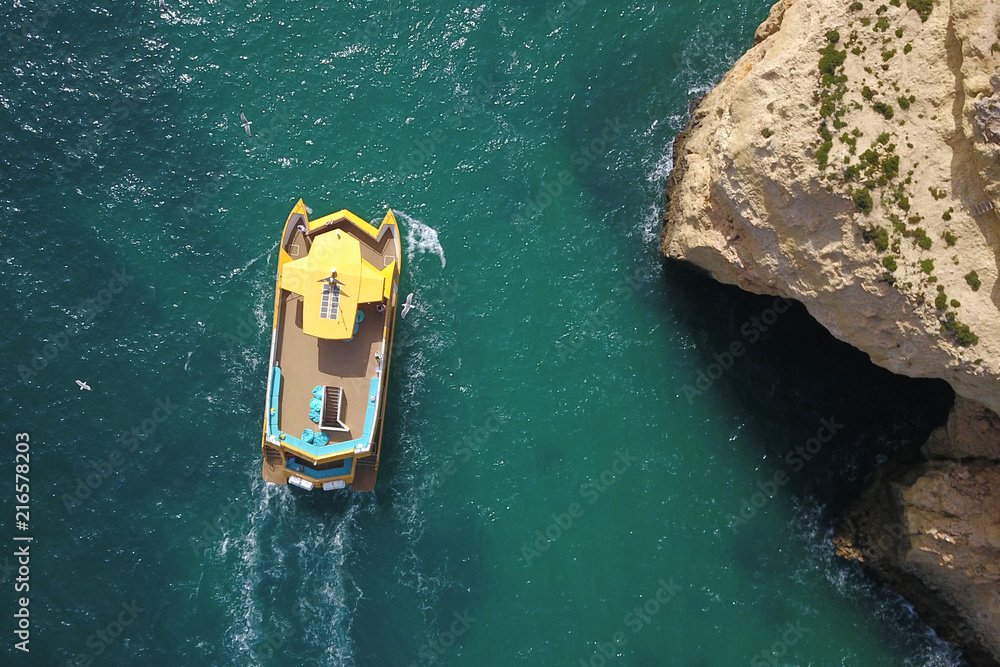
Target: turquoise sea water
{"points": [[577, 468]]}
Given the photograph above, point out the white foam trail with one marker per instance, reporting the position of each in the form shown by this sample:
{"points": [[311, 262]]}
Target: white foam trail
{"points": [[324, 605], [327, 610], [235, 272], [420, 238], [246, 619]]}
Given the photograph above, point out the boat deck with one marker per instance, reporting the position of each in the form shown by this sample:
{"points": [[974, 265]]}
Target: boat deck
{"points": [[306, 362]]}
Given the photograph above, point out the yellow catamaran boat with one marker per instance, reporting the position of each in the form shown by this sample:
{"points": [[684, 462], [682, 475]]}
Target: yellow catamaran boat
{"points": [[334, 309]]}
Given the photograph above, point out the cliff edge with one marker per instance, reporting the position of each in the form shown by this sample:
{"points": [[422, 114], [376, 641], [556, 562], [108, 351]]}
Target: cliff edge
{"points": [[850, 160]]}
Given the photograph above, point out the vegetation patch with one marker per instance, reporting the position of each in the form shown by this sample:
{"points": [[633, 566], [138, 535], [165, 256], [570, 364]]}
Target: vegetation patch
{"points": [[964, 336], [823, 153], [889, 262], [831, 59], [949, 237], [922, 240], [884, 109], [852, 142], [877, 236], [921, 7], [863, 200], [973, 279], [927, 266], [890, 166]]}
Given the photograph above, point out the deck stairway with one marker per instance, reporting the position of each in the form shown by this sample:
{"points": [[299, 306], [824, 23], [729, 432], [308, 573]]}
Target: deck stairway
{"points": [[333, 399]]}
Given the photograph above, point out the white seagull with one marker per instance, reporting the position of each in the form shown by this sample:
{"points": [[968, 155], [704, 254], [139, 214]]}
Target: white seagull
{"points": [[407, 305], [245, 123], [163, 5], [83, 385]]}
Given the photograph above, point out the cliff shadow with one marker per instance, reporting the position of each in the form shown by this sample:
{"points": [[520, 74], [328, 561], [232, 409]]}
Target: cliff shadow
{"points": [[812, 406]]}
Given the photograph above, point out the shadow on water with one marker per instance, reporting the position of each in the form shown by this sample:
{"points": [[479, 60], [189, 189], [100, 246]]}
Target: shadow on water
{"points": [[792, 386], [793, 380]]}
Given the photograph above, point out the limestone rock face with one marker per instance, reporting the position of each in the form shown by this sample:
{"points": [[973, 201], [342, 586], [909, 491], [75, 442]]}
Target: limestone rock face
{"points": [[972, 432], [932, 532], [850, 160], [751, 201]]}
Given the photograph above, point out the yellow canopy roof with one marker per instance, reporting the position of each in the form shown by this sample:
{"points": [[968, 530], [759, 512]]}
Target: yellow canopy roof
{"points": [[307, 276]]}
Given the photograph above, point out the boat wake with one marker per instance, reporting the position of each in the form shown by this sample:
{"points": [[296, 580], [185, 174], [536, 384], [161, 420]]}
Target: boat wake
{"points": [[420, 238], [289, 591], [267, 253]]}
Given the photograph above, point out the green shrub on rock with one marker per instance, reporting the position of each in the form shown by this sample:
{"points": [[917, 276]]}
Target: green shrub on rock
{"points": [[863, 200], [921, 7], [884, 109], [964, 336]]}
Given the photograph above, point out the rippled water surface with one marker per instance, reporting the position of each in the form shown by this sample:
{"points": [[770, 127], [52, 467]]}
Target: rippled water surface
{"points": [[577, 469]]}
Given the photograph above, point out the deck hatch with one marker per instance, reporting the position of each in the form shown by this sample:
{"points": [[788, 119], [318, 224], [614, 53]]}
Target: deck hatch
{"points": [[330, 302]]}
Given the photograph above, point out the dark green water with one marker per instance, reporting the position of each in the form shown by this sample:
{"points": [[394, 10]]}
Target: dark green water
{"points": [[550, 493]]}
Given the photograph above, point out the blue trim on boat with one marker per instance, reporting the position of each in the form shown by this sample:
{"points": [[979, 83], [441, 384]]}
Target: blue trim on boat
{"points": [[324, 450], [339, 471]]}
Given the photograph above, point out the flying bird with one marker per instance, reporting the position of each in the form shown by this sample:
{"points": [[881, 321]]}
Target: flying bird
{"points": [[407, 305], [245, 123], [163, 5], [83, 385]]}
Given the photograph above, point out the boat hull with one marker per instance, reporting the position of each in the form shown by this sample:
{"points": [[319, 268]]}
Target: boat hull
{"points": [[334, 314]]}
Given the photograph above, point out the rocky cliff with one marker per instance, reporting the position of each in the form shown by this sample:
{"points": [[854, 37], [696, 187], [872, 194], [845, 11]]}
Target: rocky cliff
{"points": [[850, 160], [931, 530]]}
